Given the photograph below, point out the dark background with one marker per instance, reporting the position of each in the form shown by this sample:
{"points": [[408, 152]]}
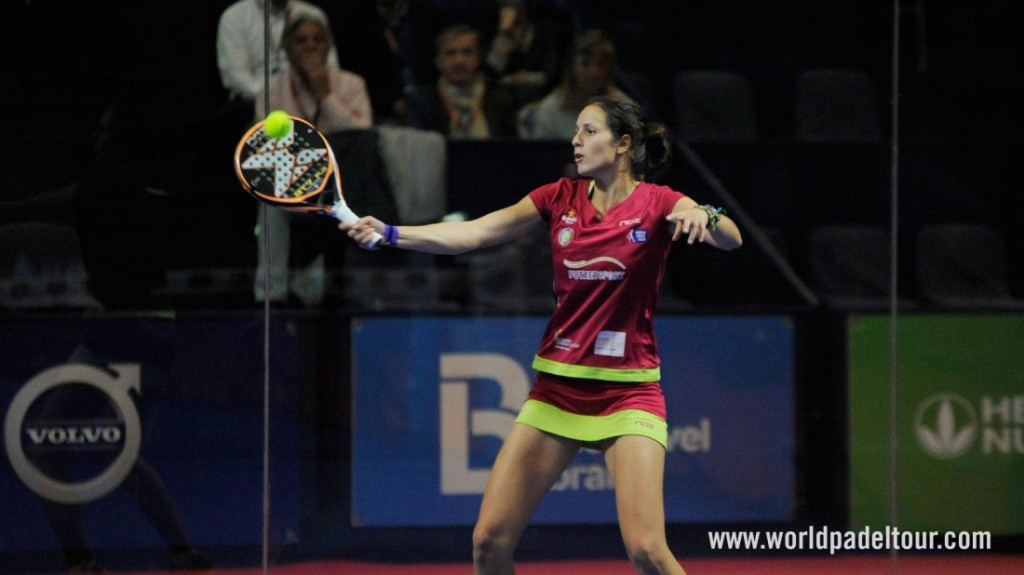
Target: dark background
{"points": [[960, 122]]}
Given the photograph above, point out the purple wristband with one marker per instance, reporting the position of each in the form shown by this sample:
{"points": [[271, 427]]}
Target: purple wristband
{"points": [[390, 235]]}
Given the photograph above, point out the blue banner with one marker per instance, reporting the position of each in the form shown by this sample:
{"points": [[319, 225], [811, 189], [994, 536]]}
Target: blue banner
{"points": [[434, 397], [99, 414]]}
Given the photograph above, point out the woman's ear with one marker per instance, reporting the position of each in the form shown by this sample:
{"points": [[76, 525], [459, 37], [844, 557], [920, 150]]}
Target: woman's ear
{"points": [[625, 144]]}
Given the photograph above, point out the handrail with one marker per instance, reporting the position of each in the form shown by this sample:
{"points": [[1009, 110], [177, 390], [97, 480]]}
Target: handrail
{"points": [[751, 228]]}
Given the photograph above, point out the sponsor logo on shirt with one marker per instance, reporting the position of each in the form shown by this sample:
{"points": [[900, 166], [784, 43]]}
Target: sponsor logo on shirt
{"points": [[565, 344], [569, 217], [611, 343], [577, 271], [637, 236]]}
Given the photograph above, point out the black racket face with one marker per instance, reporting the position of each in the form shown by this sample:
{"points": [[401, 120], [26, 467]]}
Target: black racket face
{"points": [[290, 172]]}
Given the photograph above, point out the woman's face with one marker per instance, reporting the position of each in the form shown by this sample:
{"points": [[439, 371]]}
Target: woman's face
{"points": [[310, 40], [593, 74], [595, 148]]}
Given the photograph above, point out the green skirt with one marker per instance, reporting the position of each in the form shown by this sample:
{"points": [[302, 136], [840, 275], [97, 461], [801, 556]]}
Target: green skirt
{"points": [[593, 429]]}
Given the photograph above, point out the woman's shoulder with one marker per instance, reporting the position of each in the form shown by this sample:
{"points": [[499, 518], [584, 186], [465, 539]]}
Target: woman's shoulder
{"points": [[562, 188], [656, 188], [660, 189], [660, 195], [571, 185]]}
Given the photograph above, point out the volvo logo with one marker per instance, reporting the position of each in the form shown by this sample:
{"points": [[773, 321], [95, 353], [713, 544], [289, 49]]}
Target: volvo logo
{"points": [[946, 425], [122, 432]]}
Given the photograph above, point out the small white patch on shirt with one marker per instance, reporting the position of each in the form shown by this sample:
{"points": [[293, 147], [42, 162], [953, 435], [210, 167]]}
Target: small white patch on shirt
{"points": [[611, 343]]}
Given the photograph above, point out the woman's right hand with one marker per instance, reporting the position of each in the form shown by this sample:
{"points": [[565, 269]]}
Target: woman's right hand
{"points": [[363, 229]]}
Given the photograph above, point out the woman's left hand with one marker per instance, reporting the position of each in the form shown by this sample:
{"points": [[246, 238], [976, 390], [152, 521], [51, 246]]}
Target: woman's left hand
{"points": [[692, 223]]}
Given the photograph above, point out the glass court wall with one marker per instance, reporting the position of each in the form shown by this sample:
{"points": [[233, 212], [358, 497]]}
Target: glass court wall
{"points": [[854, 365]]}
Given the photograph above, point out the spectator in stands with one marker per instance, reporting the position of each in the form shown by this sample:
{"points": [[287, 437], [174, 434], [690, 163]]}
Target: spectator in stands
{"points": [[311, 87], [240, 43], [463, 103], [528, 53], [331, 99], [590, 73]]}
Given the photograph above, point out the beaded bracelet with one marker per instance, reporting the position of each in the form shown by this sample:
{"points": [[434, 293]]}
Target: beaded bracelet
{"points": [[714, 214]]}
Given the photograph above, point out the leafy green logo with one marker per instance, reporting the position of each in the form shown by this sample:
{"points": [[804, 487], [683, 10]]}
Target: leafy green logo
{"points": [[946, 425]]}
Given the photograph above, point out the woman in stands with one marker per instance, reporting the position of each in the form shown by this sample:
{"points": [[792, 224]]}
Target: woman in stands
{"points": [[331, 99], [598, 366], [590, 73]]}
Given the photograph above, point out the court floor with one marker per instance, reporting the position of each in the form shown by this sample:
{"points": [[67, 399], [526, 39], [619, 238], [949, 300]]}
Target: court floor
{"points": [[852, 565]]}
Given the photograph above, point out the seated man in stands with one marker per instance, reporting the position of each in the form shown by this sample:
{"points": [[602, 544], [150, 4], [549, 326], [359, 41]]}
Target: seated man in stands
{"points": [[463, 103]]}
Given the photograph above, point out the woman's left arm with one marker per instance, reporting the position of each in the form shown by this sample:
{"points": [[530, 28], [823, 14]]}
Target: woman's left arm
{"points": [[697, 223]]}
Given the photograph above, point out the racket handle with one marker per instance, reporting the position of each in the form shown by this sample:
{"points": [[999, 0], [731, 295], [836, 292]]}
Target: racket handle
{"points": [[343, 213]]}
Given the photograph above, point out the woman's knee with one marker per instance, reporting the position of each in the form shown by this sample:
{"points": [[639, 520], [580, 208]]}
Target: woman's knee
{"points": [[648, 553], [490, 543]]}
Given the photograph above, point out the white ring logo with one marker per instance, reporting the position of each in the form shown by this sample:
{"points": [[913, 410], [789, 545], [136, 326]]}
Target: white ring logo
{"points": [[946, 425], [116, 389], [585, 263]]}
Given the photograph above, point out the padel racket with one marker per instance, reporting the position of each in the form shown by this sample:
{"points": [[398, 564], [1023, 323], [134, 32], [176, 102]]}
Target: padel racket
{"points": [[293, 172]]}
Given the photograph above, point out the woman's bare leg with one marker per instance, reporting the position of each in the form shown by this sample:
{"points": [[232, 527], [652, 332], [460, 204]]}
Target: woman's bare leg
{"points": [[529, 463], [637, 465]]}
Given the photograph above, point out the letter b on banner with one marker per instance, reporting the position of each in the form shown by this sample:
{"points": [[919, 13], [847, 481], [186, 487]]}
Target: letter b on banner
{"points": [[459, 421]]}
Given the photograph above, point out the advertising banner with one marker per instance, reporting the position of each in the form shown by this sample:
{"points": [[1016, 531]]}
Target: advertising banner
{"points": [[433, 398], [118, 428], [960, 422]]}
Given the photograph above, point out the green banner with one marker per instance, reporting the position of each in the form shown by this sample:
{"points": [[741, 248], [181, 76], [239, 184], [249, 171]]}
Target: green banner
{"points": [[960, 422]]}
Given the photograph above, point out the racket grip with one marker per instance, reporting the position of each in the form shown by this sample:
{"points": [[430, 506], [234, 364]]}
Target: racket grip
{"points": [[343, 213]]}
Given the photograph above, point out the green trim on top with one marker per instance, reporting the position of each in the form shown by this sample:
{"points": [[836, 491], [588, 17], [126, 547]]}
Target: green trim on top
{"points": [[601, 373]]}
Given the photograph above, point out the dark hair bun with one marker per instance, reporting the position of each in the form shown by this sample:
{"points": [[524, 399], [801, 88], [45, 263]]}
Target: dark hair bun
{"points": [[658, 148]]}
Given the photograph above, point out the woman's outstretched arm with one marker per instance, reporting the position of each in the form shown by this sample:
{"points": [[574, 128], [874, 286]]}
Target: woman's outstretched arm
{"points": [[450, 238]]}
